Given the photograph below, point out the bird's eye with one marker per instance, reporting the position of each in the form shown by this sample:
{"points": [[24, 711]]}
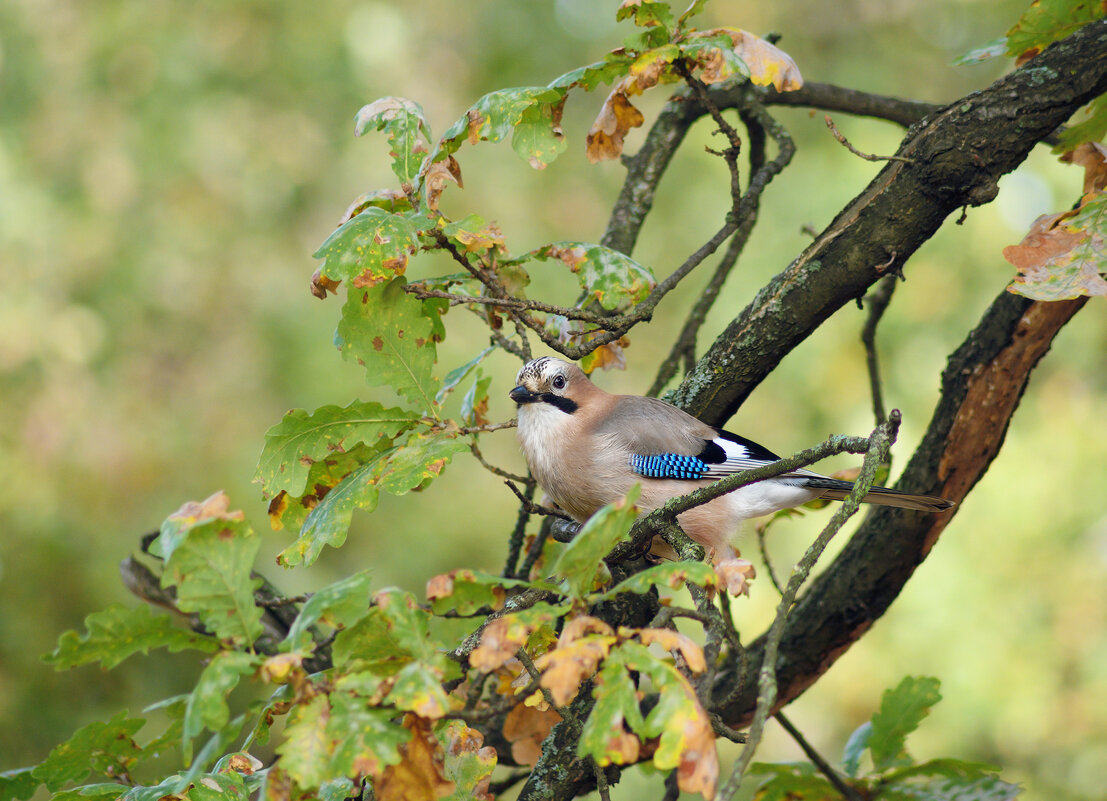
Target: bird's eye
{"points": [[558, 382]]}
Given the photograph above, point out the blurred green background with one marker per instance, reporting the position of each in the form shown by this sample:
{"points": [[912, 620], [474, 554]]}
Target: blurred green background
{"points": [[166, 170]]}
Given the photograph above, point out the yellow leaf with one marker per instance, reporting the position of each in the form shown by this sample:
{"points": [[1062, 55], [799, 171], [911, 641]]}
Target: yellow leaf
{"points": [[768, 64], [675, 641], [574, 660]]}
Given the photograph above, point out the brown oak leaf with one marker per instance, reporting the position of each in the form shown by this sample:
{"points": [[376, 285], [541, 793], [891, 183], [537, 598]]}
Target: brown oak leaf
{"points": [[419, 775]]}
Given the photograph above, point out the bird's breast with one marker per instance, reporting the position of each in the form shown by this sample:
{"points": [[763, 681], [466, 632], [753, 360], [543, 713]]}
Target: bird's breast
{"points": [[579, 470]]}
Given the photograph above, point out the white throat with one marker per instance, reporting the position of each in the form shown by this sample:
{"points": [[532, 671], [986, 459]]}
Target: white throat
{"points": [[542, 431]]}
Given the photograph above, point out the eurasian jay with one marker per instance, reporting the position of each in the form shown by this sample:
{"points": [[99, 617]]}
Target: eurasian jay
{"points": [[587, 448]]}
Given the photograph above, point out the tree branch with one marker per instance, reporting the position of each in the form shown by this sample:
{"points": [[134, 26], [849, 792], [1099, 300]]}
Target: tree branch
{"points": [[959, 154], [981, 389]]}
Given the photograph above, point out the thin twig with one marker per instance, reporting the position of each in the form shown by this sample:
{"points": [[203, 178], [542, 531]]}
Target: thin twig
{"points": [[877, 301], [867, 156], [475, 449], [765, 558], [535, 550], [583, 315], [878, 444], [745, 208], [515, 542], [534, 508], [824, 767], [724, 730]]}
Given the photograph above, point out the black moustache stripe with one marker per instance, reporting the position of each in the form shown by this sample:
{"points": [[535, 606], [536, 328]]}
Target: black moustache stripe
{"points": [[558, 402]]}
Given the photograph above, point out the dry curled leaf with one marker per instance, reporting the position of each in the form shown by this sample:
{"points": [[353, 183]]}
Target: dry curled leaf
{"points": [[215, 505], [735, 574], [439, 174], [617, 116], [1092, 156], [581, 625], [321, 285]]}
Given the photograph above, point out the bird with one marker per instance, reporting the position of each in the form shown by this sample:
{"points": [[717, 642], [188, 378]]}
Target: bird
{"points": [[587, 448]]}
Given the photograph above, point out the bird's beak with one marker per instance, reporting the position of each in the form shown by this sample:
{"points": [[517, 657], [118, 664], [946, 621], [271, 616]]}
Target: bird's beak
{"points": [[520, 395]]}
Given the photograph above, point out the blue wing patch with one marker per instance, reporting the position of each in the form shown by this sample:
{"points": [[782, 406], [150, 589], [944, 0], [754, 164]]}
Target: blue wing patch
{"points": [[668, 465]]}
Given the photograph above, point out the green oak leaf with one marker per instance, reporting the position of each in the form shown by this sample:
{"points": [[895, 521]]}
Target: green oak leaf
{"points": [[371, 248], [18, 784], [339, 605], [613, 279], [855, 746], [328, 522], [98, 747], [339, 735], [538, 138], [1093, 129], [386, 331], [458, 374], [337, 789], [394, 633], [901, 711], [210, 567], [301, 439], [207, 704], [474, 404], [418, 688], [323, 476], [418, 461], [408, 134], [117, 632], [670, 574], [646, 14], [616, 703], [582, 560], [466, 764], [592, 75], [495, 116], [465, 591], [365, 739], [986, 788], [1049, 21], [99, 790], [307, 747]]}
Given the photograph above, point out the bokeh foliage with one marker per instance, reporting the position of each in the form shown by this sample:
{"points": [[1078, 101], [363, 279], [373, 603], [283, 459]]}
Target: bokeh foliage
{"points": [[165, 172]]}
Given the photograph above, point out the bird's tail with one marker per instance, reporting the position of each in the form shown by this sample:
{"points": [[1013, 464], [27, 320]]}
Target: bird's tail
{"points": [[836, 490]]}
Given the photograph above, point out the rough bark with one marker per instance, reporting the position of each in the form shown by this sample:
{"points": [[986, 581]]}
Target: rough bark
{"points": [[981, 388], [958, 154]]}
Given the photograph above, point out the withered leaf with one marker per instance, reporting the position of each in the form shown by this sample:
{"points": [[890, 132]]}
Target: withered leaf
{"points": [[1063, 255], [1092, 156], [525, 728], [420, 774], [439, 174], [617, 116]]}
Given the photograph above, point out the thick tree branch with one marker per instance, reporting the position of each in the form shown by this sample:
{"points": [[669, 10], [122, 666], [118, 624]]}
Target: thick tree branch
{"points": [[981, 388], [958, 156]]}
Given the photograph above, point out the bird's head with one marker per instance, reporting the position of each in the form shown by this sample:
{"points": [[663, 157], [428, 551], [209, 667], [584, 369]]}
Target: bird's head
{"points": [[550, 381]]}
